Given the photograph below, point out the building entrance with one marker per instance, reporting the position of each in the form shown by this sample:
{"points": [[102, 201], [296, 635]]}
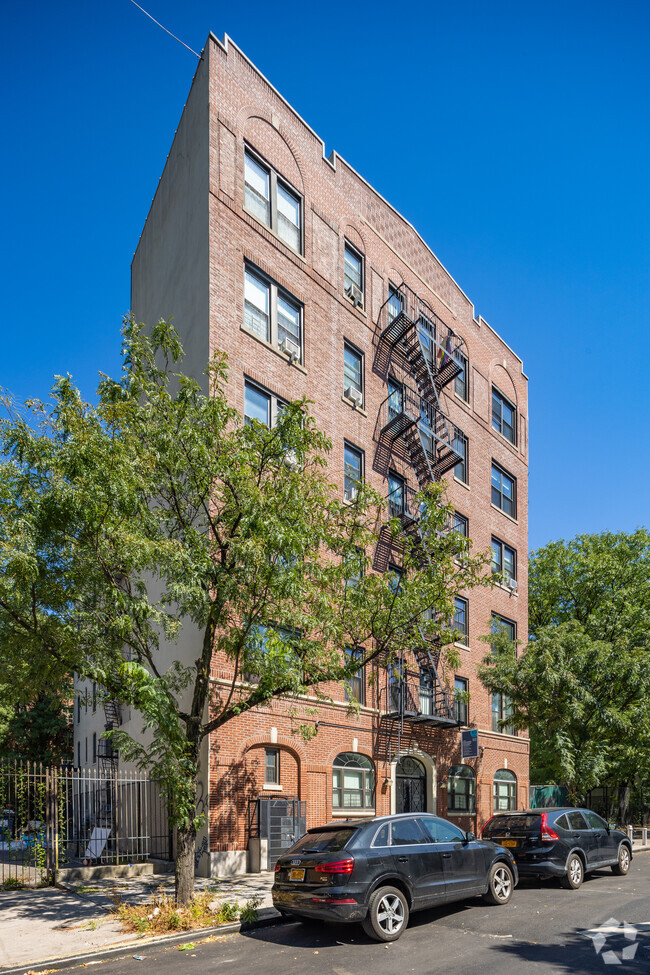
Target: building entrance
{"points": [[411, 781]]}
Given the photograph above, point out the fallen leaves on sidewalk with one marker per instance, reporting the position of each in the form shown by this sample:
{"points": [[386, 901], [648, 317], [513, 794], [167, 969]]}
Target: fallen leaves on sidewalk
{"points": [[162, 916]]}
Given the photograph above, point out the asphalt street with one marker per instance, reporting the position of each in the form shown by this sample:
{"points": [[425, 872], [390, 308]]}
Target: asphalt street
{"points": [[543, 929]]}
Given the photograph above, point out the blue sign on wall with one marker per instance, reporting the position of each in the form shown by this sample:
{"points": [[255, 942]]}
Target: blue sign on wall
{"points": [[469, 743]]}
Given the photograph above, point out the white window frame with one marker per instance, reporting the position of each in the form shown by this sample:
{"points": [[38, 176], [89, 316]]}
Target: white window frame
{"points": [[276, 294], [275, 180]]}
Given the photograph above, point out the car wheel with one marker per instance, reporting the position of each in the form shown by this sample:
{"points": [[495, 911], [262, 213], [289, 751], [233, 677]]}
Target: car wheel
{"points": [[500, 884], [623, 865], [575, 872], [388, 914]]}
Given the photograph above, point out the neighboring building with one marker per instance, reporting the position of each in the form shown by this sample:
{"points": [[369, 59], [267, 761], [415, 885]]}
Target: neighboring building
{"points": [[259, 245]]}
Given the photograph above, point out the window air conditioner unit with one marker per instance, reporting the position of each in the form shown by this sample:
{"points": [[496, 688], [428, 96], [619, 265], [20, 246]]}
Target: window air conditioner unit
{"points": [[354, 292], [291, 460], [512, 583], [355, 395], [290, 348], [351, 495]]}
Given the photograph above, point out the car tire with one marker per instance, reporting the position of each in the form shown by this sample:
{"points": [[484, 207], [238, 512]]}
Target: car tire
{"points": [[624, 858], [575, 873], [388, 914], [501, 884]]}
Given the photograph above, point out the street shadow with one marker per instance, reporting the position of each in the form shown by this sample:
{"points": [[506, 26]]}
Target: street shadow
{"points": [[577, 953], [52, 905]]}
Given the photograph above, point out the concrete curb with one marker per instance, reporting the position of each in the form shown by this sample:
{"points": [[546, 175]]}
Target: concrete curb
{"points": [[267, 916]]}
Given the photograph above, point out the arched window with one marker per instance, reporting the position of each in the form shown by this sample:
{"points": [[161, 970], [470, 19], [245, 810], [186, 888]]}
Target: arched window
{"points": [[353, 782], [461, 790], [504, 790]]}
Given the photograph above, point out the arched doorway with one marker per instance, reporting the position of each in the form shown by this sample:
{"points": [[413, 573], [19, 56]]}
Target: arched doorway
{"points": [[411, 779]]}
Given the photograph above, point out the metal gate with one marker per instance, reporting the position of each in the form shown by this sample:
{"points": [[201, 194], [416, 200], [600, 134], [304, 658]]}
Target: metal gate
{"points": [[282, 822], [411, 780]]}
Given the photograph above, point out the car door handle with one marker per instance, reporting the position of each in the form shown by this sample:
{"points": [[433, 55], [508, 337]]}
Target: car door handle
{"points": [[446, 856], [402, 859], [576, 836]]}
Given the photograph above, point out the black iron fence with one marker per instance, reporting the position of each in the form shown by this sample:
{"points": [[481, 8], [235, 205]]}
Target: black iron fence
{"points": [[57, 818]]}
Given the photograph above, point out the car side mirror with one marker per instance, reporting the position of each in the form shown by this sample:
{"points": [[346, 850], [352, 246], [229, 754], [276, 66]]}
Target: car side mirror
{"points": [[610, 826], [469, 837]]}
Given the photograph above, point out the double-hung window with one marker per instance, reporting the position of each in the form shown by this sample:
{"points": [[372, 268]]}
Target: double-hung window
{"points": [[272, 201], [460, 445], [353, 274], [352, 471], [271, 766], [504, 491], [461, 789], [461, 382], [396, 496], [461, 619], [504, 416], [461, 524], [502, 714], [271, 313], [395, 302], [260, 405], [460, 700], [352, 374], [504, 559], [355, 689], [501, 624]]}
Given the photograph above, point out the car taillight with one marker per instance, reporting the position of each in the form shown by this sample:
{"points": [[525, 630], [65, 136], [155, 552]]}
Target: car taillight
{"points": [[338, 866], [486, 823], [548, 835], [278, 868]]}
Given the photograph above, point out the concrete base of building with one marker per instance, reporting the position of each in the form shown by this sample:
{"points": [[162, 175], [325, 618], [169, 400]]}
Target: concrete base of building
{"points": [[229, 863]]}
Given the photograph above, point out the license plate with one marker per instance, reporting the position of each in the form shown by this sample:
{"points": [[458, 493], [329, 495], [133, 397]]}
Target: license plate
{"points": [[508, 842], [297, 874]]}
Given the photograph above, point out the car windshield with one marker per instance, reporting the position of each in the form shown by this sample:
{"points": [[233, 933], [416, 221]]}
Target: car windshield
{"points": [[513, 822], [323, 841]]}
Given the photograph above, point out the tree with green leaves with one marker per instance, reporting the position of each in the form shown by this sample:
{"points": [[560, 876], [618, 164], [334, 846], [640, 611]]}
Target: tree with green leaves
{"points": [[36, 730], [582, 685], [157, 515]]}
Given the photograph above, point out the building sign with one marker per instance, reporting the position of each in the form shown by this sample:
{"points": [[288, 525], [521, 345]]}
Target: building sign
{"points": [[469, 743]]}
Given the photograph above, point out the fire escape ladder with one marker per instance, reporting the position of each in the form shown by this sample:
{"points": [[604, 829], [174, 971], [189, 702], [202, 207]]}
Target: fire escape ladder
{"points": [[107, 752]]}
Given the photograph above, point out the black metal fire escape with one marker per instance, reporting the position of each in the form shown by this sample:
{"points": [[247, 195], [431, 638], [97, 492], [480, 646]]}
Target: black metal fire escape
{"points": [[107, 752], [414, 341]]}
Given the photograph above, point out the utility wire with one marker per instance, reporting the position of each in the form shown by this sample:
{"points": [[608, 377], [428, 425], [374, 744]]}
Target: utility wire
{"points": [[165, 29]]}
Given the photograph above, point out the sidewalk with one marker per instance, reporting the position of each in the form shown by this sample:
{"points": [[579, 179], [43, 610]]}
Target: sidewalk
{"points": [[38, 925]]}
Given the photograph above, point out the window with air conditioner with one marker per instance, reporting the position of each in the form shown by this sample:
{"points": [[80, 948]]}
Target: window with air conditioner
{"points": [[272, 201], [272, 314], [353, 274], [352, 471], [353, 374]]}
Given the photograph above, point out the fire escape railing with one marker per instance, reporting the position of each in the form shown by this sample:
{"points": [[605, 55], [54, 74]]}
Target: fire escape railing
{"points": [[419, 698], [407, 415]]}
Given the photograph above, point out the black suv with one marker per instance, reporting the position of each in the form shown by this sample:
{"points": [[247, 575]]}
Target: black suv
{"points": [[564, 843], [378, 870]]}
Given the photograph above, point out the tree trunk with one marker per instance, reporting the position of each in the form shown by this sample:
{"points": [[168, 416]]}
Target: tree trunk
{"points": [[184, 867], [623, 803]]}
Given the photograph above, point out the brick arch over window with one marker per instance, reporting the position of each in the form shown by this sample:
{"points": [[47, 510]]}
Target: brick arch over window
{"points": [[271, 143], [501, 377], [355, 237]]}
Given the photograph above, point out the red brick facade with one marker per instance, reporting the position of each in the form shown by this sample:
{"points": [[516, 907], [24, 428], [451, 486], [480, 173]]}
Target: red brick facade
{"points": [[337, 205]]}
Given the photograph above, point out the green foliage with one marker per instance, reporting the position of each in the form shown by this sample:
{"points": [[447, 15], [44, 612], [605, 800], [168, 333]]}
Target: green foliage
{"points": [[37, 731], [583, 683], [159, 516]]}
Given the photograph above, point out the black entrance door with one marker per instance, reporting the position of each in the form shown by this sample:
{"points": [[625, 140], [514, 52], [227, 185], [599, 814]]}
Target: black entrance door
{"points": [[411, 783]]}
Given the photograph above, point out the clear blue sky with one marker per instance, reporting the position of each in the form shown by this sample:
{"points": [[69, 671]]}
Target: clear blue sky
{"points": [[514, 136]]}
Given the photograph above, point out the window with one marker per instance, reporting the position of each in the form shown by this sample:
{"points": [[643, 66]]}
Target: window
{"points": [[78, 754], [502, 711], [504, 790], [353, 782], [271, 766], [461, 789], [594, 820], [395, 495], [352, 471], [504, 416], [355, 689], [501, 624], [272, 201], [86, 751], [440, 831], [460, 700], [461, 622], [395, 399], [94, 697], [260, 405], [504, 491], [406, 832], [354, 568], [353, 274], [352, 374], [504, 559], [576, 820], [94, 747], [78, 707], [461, 382], [395, 302], [461, 524], [271, 313], [460, 446]]}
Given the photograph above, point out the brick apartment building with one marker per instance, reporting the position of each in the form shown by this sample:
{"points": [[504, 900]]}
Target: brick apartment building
{"points": [[259, 245]]}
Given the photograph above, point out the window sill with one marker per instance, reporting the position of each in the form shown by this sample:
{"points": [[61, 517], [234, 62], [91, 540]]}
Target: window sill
{"points": [[462, 483], [461, 399], [504, 513], [357, 409], [461, 646], [511, 592], [273, 234], [353, 814], [272, 348], [361, 309], [269, 787], [504, 439]]}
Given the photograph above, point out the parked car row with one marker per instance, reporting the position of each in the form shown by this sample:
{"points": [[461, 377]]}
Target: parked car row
{"points": [[377, 871]]}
